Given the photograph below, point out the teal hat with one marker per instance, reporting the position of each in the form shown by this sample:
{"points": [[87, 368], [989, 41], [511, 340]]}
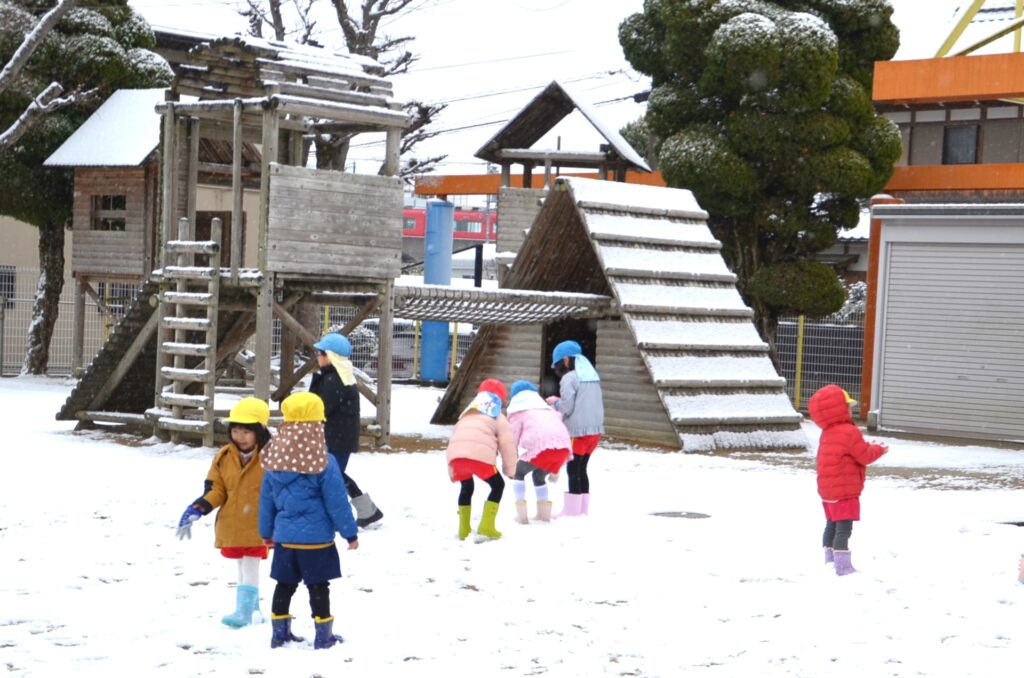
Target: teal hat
{"points": [[566, 349], [335, 343]]}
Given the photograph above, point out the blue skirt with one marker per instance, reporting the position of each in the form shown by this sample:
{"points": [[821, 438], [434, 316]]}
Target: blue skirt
{"points": [[308, 566]]}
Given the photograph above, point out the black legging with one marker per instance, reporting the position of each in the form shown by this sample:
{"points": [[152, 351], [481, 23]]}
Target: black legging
{"points": [[579, 483], [351, 487], [496, 482], [319, 599], [837, 534], [525, 468]]}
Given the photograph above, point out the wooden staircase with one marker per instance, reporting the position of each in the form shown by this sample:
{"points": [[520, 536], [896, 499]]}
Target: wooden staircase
{"points": [[188, 313]]}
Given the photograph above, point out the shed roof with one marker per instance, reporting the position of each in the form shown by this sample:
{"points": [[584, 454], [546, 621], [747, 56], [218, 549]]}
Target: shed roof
{"points": [[545, 111], [121, 133]]}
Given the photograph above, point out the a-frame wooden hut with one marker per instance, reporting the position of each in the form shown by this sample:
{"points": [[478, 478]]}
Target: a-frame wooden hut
{"points": [[680, 360]]}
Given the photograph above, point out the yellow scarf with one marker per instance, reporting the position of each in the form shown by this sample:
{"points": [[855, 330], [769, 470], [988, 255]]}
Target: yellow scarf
{"points": [[343, 366]]}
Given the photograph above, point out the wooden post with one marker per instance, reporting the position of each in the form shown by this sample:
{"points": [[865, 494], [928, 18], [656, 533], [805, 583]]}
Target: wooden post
{"points": [[392, 151], [236, 192], [386, 326], [506, 174], [168, 170], [264, 337], [265, 299], [527, 175], [209, 386], [78, 328], [193, 180]]}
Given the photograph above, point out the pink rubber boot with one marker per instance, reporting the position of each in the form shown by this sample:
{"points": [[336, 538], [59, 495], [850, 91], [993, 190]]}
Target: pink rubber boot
{"points": [[571, 506]]}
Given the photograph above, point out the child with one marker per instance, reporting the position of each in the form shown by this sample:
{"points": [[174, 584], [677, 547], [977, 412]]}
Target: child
{"points": [[581, 403], [842, 457], [302, 505], [233, 486], [543, 444], [481, 432], [336, 386]]}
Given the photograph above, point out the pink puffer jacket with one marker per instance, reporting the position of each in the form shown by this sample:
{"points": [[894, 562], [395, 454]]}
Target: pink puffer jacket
{"points": [[482, 438], [535, 426]]}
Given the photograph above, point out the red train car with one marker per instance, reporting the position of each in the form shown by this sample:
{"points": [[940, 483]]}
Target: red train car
{"points": [[469, 224]]}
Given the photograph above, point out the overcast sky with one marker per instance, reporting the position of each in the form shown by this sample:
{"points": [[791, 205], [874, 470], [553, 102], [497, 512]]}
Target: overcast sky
{"points": [[488, 58]]}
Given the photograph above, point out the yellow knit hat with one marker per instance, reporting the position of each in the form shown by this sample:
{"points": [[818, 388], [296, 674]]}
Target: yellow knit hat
{"points": [[303, 406]]}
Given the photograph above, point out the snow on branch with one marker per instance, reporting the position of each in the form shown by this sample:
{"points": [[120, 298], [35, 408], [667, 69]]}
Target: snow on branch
{"points": [[31, 42], [48, 100]]}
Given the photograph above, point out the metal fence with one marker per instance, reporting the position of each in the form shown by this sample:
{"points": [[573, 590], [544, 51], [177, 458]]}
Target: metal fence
{"points": [[20, 285], [819, 352]]}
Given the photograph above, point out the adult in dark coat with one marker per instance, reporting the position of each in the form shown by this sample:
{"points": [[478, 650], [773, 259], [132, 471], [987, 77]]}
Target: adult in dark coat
{"points": [[336, 386]]}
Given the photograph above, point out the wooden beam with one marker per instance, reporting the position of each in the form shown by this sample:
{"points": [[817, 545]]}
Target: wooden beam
{"points": [[287, 384], [385, 341], [488, 184], [236, 190], [126, 362]]}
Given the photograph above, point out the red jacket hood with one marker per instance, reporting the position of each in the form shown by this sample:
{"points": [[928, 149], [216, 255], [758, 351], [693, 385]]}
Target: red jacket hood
{"points": [[828, 407]]}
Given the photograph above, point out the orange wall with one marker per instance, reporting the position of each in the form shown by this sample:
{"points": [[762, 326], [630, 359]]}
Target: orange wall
{"points": [[993, 176], [963, 78]]}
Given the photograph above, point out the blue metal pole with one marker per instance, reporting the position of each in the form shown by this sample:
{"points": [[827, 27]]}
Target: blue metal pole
{"points": [[437, 270]]}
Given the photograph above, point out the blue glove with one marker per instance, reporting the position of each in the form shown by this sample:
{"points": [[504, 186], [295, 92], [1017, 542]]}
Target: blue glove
{"points": [[191, 515]]}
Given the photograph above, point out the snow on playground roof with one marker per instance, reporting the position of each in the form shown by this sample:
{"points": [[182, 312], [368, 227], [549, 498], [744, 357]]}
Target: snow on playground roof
{"points": [[676, 202], [545, 111], [121, 133]]}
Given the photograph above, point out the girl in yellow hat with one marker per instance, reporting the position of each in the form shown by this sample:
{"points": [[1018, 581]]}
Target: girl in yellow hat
{"points": [[233, 486]]}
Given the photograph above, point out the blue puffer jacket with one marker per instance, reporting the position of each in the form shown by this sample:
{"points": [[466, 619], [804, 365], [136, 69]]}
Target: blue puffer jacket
{"points": [[305, 508]]}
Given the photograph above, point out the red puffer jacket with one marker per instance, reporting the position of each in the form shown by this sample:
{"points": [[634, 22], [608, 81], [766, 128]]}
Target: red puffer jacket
{"points": [[843, 453]]}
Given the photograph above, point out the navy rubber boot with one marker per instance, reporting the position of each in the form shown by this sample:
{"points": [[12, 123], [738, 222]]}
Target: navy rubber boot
{"points": [[325, 637]]}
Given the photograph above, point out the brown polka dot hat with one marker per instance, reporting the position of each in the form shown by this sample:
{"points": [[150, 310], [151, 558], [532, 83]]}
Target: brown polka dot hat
{"points": [[299, 445]]}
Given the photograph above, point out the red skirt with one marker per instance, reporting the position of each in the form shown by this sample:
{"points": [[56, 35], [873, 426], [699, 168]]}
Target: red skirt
{"points": [[235, 552], [585, 445], [463, 469], [551, 460], [844, 509]]}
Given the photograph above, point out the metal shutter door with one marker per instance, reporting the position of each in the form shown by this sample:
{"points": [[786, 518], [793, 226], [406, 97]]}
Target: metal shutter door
{"points": [[953, 344]]}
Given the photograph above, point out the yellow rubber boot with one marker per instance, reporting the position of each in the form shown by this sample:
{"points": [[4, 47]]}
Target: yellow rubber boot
{"points": [[486, 528], [464, 528]]}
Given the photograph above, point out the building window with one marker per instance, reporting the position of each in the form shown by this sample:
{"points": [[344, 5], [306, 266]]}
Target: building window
{"points": [[7, 282], [960, 145], [467, 226], [109, 212]]}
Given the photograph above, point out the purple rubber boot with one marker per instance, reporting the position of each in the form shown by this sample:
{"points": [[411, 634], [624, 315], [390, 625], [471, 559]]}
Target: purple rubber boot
{"points": [[572, 505], [843, 564], [829, 556]]}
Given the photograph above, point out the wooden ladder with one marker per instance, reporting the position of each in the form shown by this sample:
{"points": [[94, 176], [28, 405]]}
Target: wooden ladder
{"points": [[196, 289]]}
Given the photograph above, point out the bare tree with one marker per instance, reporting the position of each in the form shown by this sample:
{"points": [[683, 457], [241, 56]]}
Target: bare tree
{"points": [[361, 28], [50, 98]]}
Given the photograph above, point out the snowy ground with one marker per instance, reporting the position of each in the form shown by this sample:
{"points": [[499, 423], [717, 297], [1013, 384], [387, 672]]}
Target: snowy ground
{"points": [[95, 583]]}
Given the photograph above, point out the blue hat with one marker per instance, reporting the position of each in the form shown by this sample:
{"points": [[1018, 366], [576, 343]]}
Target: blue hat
{"points": [[522, 385], [336, 343], [567, 349]]}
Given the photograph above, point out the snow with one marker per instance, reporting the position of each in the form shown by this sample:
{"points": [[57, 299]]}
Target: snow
{"points": [[727, 581], [695, 265], [697, 334], [682, 299], [714, 369], [121, 133], [713, 408], [597, 192], [651, 229]]}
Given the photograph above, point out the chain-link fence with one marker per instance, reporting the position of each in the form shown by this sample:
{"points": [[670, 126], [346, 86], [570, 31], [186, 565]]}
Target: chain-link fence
{"points": [[18, 288], [813, 353]]}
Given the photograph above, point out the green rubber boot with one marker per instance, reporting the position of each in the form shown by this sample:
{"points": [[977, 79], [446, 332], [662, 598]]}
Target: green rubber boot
{"points": [[464, 528], [486, 528]]}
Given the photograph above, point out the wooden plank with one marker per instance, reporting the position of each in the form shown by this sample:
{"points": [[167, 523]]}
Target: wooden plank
{"points": [[385, 338]]}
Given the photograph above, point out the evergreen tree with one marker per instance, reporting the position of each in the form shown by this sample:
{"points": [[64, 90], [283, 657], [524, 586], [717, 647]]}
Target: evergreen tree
{"points": [[98, 47], [762, 108]]}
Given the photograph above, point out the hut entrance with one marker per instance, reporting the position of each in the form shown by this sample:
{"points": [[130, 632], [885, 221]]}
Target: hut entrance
{"points": [[582, 330]]}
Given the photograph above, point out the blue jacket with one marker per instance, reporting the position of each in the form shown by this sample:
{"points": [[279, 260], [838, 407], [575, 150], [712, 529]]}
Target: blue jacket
{"points": [[305, 508]]}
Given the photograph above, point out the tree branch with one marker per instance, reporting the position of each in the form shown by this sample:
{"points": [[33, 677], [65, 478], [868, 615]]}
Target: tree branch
{"points": [[31, 42], [48, 100]]}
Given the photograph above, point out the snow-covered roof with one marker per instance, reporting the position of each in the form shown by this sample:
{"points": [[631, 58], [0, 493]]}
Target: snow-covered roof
{"points": [[545, 111], [121, 133], [678, 201], [862, 231]]}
